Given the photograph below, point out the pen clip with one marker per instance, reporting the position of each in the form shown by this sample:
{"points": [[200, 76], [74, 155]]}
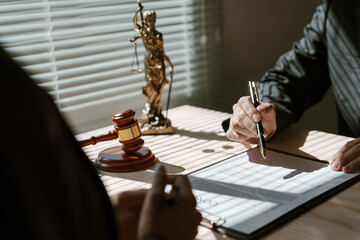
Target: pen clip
{"points": [[254, 93]]}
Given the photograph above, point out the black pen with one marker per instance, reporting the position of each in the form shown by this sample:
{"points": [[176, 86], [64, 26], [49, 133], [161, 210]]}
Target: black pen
{"points": [[259, 129]]}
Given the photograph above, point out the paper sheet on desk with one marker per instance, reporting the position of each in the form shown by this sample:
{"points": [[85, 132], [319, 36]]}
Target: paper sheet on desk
{"points": [[249, 193]]}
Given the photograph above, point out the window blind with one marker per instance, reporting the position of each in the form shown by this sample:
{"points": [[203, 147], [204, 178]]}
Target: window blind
{"points": [[79, 52]]}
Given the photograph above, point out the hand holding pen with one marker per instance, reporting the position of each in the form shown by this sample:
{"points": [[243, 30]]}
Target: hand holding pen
{"points": [[171, 215], [242, 127], [156, 214]]}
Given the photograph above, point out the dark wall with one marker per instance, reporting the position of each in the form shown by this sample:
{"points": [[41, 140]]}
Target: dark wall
{"points": [[255, 34]]}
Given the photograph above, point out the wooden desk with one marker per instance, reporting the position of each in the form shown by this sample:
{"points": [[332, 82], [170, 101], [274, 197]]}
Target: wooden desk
{"points": [[199, 141]]}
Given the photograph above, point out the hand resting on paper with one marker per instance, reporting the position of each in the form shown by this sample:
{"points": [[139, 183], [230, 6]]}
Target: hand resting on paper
{"points": [[347, 159], [145, 214]]}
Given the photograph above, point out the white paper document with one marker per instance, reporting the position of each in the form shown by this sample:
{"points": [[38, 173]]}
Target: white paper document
{"points": [[244, 193]]}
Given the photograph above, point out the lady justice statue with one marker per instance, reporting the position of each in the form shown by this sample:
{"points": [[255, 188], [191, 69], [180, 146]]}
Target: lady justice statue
{"points": [[153, 121]]}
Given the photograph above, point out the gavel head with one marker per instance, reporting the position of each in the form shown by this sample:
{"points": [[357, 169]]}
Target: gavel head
{"points": [[128, 130]]}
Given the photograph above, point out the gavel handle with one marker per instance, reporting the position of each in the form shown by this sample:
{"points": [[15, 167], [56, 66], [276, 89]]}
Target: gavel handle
{"points": [[110, 135]]}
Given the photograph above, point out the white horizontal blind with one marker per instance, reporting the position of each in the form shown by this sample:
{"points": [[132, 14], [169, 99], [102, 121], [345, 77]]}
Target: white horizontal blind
{"points": [[79, 51]]}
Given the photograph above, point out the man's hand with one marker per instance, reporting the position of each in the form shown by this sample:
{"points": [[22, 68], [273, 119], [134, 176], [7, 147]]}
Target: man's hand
{"points": [[242, 123], [347, 159], [175, 219], [127, 206]]}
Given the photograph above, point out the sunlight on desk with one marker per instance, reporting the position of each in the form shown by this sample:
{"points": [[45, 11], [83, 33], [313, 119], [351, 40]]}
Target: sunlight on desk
{"points": [[198, 141], [312, 144]]}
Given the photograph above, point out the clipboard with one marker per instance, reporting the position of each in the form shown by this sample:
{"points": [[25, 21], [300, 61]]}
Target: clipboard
{"points": [[245, 197]]}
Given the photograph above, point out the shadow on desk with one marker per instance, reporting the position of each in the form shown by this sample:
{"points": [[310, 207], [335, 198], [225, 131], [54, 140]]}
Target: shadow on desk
{"points": [[296, 166], [294, 139], [144, 176], [208, 136]]}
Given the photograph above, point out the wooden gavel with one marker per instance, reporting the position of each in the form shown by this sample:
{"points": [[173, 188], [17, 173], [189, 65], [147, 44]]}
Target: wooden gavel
{"points": [[127, 130], [131, 155]]}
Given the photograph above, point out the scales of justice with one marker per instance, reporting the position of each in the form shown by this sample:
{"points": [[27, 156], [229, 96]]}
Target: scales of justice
{"points": [[152, 120], [131, 155]]}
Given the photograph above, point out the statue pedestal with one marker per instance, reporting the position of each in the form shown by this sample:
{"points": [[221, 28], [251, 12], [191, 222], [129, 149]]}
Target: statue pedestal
{"points": [[155, 126]]}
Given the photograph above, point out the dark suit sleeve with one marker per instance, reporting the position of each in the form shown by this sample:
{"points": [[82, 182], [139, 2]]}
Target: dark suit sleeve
{"points": [[300, 77]]}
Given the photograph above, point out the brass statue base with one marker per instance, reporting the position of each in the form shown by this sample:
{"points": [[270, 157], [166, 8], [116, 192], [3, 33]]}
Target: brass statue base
{"points": [[151, 124], [155, 125]]}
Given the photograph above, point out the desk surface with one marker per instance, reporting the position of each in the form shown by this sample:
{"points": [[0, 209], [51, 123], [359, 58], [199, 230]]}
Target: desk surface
{"points": [[199, 141]]}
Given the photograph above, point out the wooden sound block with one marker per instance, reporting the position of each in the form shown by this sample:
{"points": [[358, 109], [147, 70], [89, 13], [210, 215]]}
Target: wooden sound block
{"points": [[115, 159]]}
